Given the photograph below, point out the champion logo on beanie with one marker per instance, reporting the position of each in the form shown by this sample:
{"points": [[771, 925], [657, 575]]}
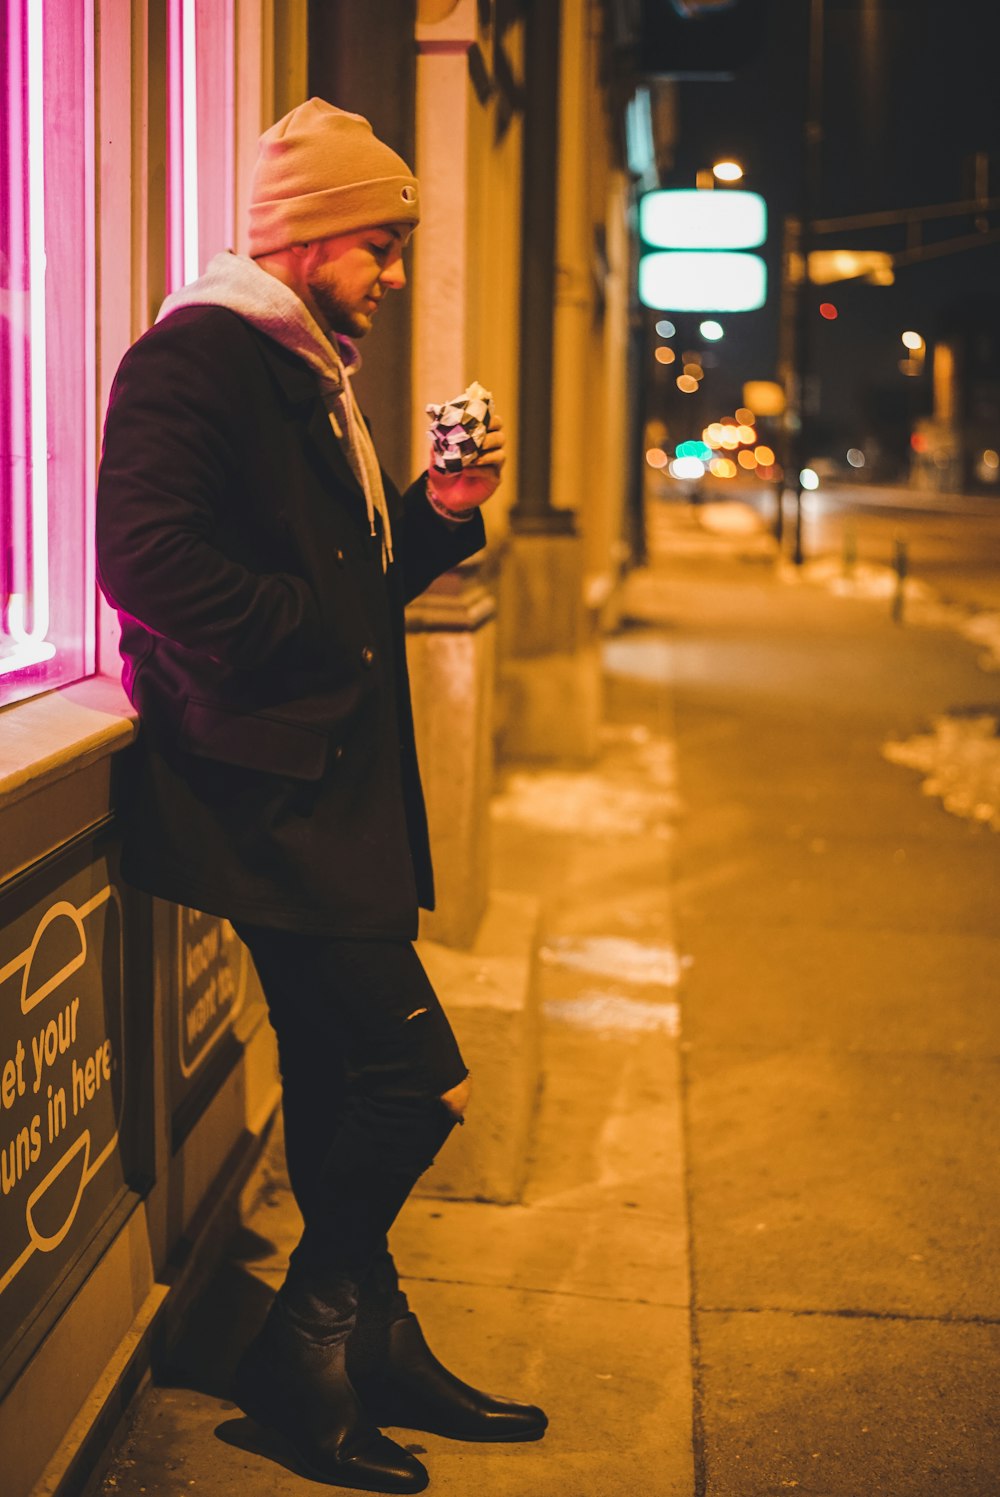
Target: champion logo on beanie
{"points": [[322, 171]]}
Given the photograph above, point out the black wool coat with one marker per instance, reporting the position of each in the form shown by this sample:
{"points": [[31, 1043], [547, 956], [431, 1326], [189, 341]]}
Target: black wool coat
{"points": [[276, 777]]}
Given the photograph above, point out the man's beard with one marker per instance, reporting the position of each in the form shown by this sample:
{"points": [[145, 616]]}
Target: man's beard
{"points": [[338, 316]]}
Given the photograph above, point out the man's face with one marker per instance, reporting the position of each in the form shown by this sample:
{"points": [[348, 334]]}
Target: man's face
{"points": [[348, 274]]}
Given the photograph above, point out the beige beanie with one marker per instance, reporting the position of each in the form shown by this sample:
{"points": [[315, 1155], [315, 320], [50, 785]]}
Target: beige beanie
{"points": [[323, 171]]}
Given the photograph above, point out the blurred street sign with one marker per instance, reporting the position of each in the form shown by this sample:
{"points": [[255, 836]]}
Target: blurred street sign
{"points": [[702, 281], [687, 218], [828, 266]]}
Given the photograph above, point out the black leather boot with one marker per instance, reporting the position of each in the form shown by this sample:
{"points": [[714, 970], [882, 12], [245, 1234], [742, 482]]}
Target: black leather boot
{"points": [[299, 1388], [400, 1381]]}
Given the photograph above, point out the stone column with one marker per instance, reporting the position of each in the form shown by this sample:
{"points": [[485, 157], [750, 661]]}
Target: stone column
{"points": [[451, 646], [551, 664], [478, 944], [451, 629]]}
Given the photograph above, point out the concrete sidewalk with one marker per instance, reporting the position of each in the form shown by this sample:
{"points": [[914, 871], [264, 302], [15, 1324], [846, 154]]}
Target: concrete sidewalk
{"points": [[841, 1023], [756, 1253], [579, 1296]]}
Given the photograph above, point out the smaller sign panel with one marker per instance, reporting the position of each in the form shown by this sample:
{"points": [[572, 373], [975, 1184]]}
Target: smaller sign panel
{"points": [[702, 281], [210, 984], [74, 1093], [685, 218], [212, 967], [215, 1000]]}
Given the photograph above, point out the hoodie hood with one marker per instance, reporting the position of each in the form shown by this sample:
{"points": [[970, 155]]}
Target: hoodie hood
{"points": [[239, 284]]}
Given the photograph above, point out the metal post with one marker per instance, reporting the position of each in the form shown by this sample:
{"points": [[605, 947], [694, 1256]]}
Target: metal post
{"points": [[850, 543], [787, 324], [812, 162], [900, 565]]}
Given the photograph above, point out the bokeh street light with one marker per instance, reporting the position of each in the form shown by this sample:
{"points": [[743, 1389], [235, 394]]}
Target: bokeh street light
{"points": [[727, 171], [913, 364]]}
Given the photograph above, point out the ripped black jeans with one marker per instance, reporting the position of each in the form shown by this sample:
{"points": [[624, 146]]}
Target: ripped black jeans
{"points": [[366, 1053]]}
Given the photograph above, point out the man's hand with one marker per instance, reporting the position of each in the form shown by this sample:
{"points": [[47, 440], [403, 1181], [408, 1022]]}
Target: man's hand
{"points": [[474, 485]]}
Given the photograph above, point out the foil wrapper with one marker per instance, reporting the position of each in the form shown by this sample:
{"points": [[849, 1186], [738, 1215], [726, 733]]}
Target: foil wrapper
{"points": [[460, 428]]}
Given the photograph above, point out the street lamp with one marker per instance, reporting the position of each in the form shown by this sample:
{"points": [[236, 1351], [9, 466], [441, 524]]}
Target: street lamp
{"points": [[916, 352], [727, 171], [798, 241]]}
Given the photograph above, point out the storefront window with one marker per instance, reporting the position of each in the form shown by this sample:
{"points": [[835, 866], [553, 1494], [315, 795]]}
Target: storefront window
{"points": [[47, 416], [201, 140]]}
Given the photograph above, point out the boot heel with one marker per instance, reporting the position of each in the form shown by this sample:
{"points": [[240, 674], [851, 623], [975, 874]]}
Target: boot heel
{"points": [[301, 1393]]}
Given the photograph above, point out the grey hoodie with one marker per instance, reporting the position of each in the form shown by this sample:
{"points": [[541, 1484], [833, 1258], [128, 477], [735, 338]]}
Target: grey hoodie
{"points": [[237, 282]]}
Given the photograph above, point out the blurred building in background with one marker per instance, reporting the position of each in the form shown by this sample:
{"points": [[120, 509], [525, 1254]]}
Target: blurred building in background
{"points": [[956, 447]]}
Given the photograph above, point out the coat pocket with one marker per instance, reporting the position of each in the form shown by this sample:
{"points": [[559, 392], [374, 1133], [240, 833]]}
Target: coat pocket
{"points": [[253, 741]]}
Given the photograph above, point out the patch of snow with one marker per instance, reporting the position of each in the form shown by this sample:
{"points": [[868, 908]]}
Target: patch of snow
{"points": [[637, 658], [960, 760], [585, 804], [625, 733], [729, 517], [614, 1013], [615, 956], [864, 580], [632, 795], [984, 629]]}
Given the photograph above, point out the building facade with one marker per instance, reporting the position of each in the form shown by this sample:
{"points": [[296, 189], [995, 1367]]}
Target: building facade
{"points": [[137, 1069]]}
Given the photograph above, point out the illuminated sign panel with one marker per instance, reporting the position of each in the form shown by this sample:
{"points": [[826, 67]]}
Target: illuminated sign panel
{"points": [[693, 219], [702, 281], [76, 1135]]}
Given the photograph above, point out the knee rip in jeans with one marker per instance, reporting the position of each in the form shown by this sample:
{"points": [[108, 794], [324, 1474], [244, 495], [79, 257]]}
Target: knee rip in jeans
{"points": [[457, 1100]]}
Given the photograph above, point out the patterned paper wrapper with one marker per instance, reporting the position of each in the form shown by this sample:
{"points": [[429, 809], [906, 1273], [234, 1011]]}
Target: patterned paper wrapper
{"points": [[459, 429]]}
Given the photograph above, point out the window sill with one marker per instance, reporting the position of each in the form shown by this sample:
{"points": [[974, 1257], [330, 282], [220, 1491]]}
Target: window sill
{"points": [[49, 738]]}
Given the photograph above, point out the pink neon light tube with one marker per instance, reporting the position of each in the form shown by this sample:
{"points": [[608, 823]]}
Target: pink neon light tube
{"points": [[183, 151], [27, 621]]}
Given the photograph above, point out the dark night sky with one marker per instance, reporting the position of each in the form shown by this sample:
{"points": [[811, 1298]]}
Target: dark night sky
{"points": [[910, 94]]}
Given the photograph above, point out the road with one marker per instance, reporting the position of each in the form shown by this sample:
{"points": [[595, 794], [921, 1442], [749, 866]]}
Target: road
{"points": [[952, 541]]}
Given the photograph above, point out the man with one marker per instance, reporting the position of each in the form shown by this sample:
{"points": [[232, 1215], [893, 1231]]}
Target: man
{"points": [[260, 562]]}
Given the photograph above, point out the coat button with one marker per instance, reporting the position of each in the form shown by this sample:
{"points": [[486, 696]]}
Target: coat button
{"points": [[340, 557], [367, 655], [338, 752]]}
